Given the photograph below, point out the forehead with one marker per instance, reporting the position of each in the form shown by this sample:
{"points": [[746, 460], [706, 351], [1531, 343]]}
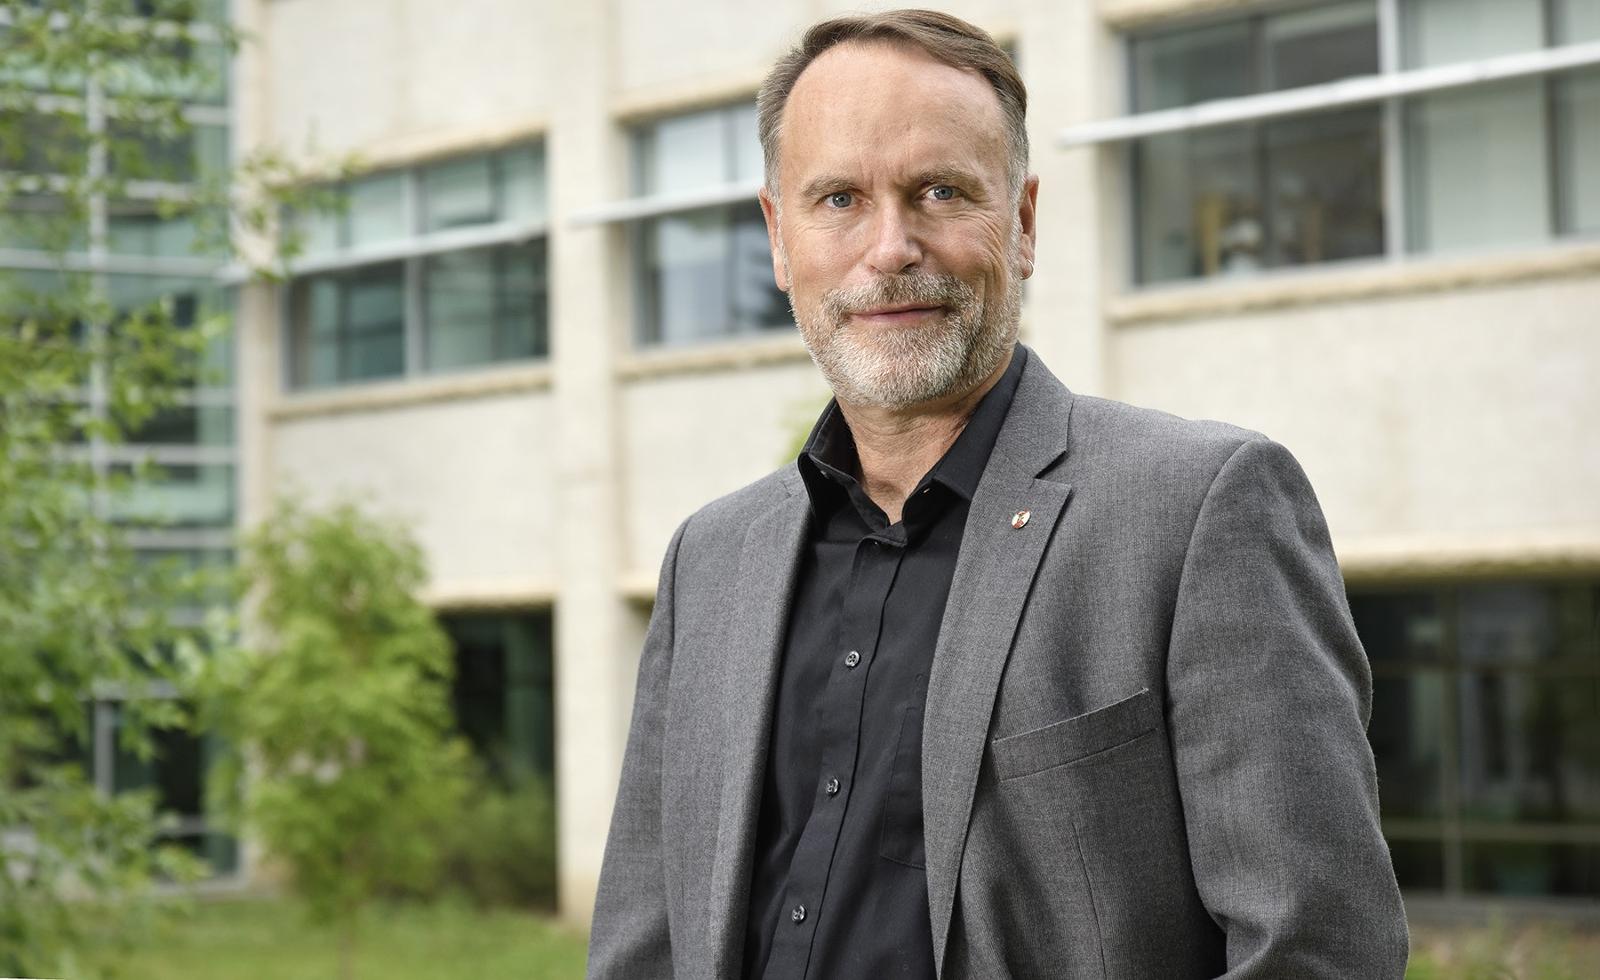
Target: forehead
{"points": [[876, 103]]}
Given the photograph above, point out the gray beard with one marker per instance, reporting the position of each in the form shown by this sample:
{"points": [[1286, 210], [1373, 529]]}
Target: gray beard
{"points": [[900, 367]]}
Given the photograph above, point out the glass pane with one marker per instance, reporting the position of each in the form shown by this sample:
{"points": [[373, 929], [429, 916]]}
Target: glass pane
{"points": [[1507, 624], [502, 693], [687, 276], [1322, 44], [1530, 747], [41, 221], [1578, 139], [44, 142], [1478, 173], [459, 302], [758, 303], [1325, 179], [138, 228], [1192, 66], [187, 425], [1199, 210], [135, 152], [374, 333], [1407, 734], [348, 325], [1577, 20], [177, 772], [377, 209], [1532, 869], [522, 184], [458, 193], [179, 496], [524, 301], [1396, 626], [746, 142], [318, 230], [1418, 864], [1438, 32], [683, 153], [187, 70]]}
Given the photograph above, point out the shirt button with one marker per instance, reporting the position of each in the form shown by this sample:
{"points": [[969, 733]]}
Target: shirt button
{"points": [[852, 658], [798, 915], [833, 787]]}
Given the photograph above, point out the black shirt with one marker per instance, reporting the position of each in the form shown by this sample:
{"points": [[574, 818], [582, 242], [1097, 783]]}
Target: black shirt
{"points": [[837, 887]]}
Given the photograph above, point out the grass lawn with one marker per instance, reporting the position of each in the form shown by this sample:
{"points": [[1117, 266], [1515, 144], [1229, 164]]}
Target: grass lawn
{"points": [[262, 939]]}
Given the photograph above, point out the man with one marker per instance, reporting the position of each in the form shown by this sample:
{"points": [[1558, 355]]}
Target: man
{"points": [[995, 680]]}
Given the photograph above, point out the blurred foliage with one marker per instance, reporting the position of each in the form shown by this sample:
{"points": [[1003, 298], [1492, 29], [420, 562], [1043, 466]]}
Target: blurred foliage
{"points": [[344, 766], [500, 850], [93, 125], [1542, 952], [254, 939]]}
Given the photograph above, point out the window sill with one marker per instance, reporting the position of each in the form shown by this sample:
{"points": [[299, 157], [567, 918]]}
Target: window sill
{"points": [[1384, 559], [733, 354], [400, 392], [1344, 283]]}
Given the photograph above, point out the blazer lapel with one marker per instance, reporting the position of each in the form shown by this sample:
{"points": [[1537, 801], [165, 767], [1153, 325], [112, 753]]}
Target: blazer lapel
{"points": [[768, 564], [993, 575]]}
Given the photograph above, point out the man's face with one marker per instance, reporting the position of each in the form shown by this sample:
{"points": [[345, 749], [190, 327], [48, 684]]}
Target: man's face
{"points": [[896, 235]]}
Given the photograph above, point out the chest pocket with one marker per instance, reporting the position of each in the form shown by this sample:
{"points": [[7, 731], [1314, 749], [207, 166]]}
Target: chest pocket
{"points": [[900, 837]]}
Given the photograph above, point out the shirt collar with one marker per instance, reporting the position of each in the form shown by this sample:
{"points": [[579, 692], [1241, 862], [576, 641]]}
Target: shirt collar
{"points": [[828, 461]]}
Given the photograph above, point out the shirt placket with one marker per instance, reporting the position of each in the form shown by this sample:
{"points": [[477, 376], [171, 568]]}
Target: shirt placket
{"points": [[877, 559]]}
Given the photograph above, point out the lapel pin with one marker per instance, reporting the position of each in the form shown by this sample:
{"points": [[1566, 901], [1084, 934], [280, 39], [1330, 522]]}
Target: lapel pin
{"points": [[1020, 519]]}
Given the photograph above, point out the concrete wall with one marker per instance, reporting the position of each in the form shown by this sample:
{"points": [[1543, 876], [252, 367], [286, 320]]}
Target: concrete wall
{"points": [[472, 475], [1463, 416], [397, 79]]}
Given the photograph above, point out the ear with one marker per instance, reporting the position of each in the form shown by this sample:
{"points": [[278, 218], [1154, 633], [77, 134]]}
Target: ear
{"points": [[769, 211], [1027, 210]]}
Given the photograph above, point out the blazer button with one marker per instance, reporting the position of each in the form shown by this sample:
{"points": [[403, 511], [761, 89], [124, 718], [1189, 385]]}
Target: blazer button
{"points": [[833, 787], [799, 914], [852, 658]]}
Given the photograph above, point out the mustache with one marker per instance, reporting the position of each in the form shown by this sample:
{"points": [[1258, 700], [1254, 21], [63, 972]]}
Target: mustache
{"points": [[920, 288]]}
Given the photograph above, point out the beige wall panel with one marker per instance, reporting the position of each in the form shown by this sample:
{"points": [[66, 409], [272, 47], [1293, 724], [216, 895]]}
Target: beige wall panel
{"points": [[690, 438], [1450, 417], [388, 73], [473, 476], [724, 47]]}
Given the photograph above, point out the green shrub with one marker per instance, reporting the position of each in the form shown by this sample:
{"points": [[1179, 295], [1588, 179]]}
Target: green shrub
{"points": [[500, 849]]}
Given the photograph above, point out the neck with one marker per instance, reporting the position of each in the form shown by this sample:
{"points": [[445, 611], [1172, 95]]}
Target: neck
{"points": [[896, 447]]}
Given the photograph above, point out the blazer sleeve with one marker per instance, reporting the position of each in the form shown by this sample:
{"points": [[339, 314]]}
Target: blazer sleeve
{"points": [[630, 935], [1270, 693]]}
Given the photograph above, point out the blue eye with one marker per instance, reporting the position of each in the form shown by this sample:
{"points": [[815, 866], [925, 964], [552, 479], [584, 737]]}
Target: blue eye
{"points": [[943, 192], [840, 199]]}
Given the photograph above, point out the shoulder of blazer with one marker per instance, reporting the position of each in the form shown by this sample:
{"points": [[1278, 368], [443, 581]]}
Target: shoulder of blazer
{"points": [[719, 527], [1142, 447]]}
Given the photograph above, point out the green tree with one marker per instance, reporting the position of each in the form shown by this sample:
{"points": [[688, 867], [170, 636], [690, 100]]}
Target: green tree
{"points": [[93, 129], [341, 713]]}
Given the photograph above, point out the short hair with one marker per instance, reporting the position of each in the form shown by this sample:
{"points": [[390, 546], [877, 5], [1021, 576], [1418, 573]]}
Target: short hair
{"points": [[947, 39]]}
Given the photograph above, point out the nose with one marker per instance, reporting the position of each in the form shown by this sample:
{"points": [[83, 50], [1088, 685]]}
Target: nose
{"points": [[894, 247]]}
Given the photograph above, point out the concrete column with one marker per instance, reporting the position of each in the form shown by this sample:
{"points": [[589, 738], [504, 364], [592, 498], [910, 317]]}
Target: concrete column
{"points": [[1072, 68], [588, 281]]}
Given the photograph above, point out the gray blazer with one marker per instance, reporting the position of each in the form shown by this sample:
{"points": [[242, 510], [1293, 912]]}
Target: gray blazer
{"points": [[1144, 749]]}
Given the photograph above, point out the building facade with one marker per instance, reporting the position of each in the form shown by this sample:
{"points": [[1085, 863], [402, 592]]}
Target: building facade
{"points": [[545, 331]]}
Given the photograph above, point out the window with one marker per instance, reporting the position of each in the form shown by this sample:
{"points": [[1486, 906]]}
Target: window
{"points": [[503, 696], [432, 268], [1487, 164], [705, 271], [1485, 723]]}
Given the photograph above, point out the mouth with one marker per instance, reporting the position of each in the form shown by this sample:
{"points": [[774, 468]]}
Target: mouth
{"points": [[896, 314]]}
